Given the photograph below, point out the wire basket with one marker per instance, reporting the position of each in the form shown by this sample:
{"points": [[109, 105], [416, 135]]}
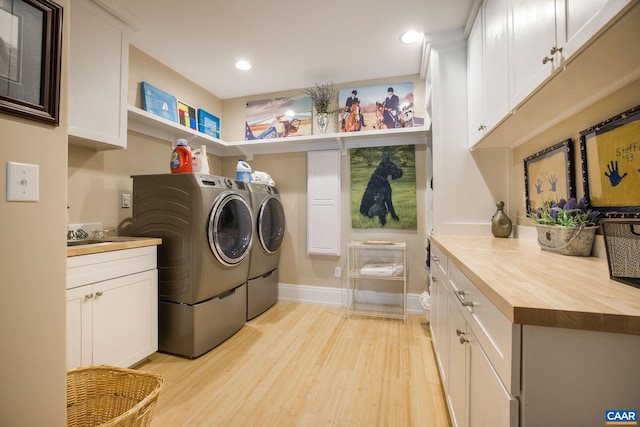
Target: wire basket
{"points": [[109, 396], [622, 242]]}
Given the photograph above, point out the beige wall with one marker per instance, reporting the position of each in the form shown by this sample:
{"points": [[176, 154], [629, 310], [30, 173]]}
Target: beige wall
{"points": [[97, 179], [33, 273]]}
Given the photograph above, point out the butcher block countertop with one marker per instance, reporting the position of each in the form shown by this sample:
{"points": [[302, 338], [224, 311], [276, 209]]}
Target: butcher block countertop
{"points": [[535, 287], [112, 244]]}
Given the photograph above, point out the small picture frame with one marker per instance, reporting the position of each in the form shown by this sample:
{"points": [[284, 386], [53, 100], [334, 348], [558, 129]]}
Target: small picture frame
{"points": [[549, 175], [610, 154], [187, 115], [208, 123], [159, 102]]}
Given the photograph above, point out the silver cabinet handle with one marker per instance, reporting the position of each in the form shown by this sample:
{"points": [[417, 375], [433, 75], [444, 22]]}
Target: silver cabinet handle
{"points": [[88, 296], [99, 294], [482, 127], [463, 339], [460, 295], [547, 59], [555, 50], [435, 279], [459, 332]]}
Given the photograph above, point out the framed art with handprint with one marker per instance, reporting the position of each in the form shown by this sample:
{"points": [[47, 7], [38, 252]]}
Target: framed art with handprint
{"points": [[610, 153], [549, 175]]}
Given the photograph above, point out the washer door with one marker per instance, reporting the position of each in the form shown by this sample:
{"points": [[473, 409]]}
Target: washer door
{"points": [[271, 224], [230, 229]]}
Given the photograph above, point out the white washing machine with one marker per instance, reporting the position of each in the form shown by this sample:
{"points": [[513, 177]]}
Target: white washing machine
{"points": [[269, 227], [206, 226]]}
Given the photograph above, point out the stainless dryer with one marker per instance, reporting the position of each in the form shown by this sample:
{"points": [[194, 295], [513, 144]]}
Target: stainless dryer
{"points": [[206, 226], [262, 284]]}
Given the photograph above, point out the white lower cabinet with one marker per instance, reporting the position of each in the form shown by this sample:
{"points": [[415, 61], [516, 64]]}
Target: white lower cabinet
{"points": [[113, 321], [477, 350]]}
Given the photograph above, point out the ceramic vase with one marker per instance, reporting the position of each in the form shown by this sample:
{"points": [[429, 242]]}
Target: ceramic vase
{"points": [[500, 222]]}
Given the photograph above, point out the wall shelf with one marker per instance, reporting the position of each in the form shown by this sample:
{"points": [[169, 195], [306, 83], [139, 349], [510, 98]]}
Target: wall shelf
{"points": [[149, 124]]}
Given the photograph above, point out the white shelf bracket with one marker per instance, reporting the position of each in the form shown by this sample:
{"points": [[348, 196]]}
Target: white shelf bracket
{"points": [[247, 154], [341, 145]]}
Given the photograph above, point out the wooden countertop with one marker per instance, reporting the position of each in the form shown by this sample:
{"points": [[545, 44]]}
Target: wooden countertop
{"points": [[113, 244], [535, 287]]}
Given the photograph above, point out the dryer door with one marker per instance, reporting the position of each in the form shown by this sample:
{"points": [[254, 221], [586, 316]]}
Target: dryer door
{"points": [[230, 229], [271, 224]]}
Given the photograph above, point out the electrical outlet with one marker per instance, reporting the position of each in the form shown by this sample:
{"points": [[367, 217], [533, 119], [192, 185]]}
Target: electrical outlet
{"points": [[337, 272], [125, 201]]}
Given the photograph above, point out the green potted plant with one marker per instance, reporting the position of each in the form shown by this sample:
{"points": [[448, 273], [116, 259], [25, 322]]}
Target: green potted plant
{"points": [[322, 97], [566, 226]]}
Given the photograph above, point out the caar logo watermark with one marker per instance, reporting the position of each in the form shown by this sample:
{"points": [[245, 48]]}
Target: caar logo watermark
{"points": [[620, 417]]}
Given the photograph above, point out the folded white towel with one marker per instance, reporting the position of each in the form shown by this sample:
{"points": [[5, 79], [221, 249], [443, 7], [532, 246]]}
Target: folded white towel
{"points": [[381, 270]]}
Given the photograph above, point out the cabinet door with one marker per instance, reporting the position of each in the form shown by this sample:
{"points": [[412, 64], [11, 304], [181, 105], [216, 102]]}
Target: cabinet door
{"points": [[98, 75], [475, 82], [79, 349], [458, 392], [496, 61], [438, 322], [532, 34], [125, 319], [323, 202], [489, 402], [579, 20]]}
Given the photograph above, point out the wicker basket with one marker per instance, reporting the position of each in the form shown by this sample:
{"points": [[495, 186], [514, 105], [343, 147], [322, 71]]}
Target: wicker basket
{"points": [[622, 241], [111, 396]]}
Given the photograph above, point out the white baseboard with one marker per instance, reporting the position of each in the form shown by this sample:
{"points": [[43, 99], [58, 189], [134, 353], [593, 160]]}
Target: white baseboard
{"points": [[337, 297]]}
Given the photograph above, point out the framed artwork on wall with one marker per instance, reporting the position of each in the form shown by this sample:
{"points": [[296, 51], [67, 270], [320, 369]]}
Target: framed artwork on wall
{"points": [[187, 115], [208, 123], [159, 102], [383, 187], [549, 175], [278, 117], [377, 108], [30, 59], [610, 153]]}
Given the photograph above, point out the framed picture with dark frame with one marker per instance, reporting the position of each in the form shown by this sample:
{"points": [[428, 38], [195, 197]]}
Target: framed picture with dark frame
{"points": [[610, 153], [549, 175], [30, 59]]}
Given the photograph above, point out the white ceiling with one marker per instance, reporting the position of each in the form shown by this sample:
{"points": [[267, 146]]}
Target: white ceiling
{"points": [[291, 44]]}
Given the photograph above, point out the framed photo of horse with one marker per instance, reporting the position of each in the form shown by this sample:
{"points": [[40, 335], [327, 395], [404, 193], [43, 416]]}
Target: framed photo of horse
{"points": [[610, 153], [377, 108], [383, 187]]}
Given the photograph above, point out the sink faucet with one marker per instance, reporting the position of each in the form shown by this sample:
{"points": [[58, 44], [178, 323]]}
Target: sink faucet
{"points": [[78, 234]]}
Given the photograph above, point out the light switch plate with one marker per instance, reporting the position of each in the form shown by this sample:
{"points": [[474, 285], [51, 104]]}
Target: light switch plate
{"points": [[22, 182]]}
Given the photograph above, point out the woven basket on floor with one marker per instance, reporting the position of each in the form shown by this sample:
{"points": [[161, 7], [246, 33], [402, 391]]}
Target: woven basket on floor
{"points": [[111, 396]]}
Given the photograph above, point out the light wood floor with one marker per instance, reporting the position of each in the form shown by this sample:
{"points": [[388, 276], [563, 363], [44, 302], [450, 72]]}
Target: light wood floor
{"points": [[307, 365]]}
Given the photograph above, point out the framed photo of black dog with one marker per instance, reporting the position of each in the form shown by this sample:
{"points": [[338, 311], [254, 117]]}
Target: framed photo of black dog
{"points": [[383, 187]]}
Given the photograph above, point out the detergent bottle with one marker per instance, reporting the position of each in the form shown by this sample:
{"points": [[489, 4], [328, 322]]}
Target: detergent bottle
{"points": [[243, 171], [200, 163], [181, 158]]}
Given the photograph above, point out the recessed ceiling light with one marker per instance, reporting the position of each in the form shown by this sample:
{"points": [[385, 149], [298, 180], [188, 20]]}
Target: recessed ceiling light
{"points": [[410, 37], [243, 65]]}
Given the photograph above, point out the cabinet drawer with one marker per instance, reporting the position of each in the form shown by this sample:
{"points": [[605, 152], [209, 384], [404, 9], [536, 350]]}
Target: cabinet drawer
{"points": [[438, 262], [86, 269], [499, 338]]}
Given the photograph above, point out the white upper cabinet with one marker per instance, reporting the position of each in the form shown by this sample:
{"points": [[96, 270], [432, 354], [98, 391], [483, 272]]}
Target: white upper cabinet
{"points": [[475, 83], [532, 38], [488, 69], [496, 61], [98, 75], [546, 33]]}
